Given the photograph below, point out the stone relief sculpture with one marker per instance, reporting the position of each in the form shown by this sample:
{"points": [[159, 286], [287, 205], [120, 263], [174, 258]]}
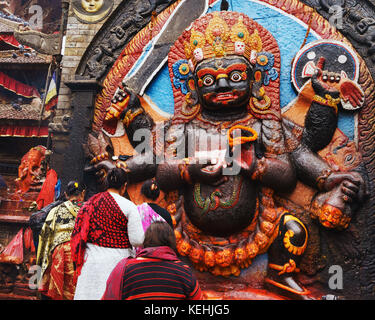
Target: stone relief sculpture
{"points": [[122, 29], [243, 175], [43, 43]]}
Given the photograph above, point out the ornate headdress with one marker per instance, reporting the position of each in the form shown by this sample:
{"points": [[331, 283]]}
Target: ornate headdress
{"points": [[220, 34], [218, 39]]}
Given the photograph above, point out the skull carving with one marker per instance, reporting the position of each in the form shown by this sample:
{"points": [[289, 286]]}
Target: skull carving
{"points": [[239, 47], [198, 54]]}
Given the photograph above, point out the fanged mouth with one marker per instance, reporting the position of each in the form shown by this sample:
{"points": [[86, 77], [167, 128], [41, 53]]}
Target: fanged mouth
{"points": [[225, 96]]}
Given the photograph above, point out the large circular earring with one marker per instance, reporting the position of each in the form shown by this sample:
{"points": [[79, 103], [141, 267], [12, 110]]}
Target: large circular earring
{"points": [[263, 104]]}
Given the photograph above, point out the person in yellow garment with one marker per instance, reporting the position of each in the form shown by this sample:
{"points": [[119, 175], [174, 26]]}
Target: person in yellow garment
{"points": [[54, 253]]}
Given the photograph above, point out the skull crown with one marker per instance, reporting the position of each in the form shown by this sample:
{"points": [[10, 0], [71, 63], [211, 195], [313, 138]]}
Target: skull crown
{"points": [[217, 37]]}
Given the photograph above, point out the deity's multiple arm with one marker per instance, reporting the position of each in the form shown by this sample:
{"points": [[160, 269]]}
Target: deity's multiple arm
{"points": [[274, 168], [140, 129], [267, 160]]}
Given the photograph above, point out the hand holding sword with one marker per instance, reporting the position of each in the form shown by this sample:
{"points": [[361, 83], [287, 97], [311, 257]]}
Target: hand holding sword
{"points": [[118, 105], [155, 57]]}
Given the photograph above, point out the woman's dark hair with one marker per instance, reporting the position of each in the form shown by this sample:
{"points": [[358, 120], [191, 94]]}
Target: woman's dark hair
{"points": [[116, 178], [160, 234], [74, 188], [150, 189]]}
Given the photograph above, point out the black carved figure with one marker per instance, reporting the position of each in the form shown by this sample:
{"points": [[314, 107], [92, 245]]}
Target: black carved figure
{"points": [[226, 214], [321, 120]]}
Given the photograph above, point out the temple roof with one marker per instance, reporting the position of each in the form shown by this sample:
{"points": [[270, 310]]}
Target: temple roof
{"points": [[11, 19], [7, 26], [25, 112], [7, 57], [4, 28], [15, 56]]}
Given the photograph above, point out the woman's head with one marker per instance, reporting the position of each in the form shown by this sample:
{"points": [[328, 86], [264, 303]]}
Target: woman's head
{"points": [[116, 179], [160, 234], [150, 189], [75, 190]]}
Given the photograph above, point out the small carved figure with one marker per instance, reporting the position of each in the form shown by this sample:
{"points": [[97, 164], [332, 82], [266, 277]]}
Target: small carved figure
{"points": [[321, 119], [92, 11], [32, 171], [95, 66]]}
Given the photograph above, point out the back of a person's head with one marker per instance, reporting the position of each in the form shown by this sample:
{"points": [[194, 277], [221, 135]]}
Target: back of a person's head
{"points": [[116, 178], [160, 234], [74, 188], [150, 189]]}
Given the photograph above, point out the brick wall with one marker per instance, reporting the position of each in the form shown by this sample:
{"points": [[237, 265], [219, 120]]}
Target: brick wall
{"points": [[78, 38]]}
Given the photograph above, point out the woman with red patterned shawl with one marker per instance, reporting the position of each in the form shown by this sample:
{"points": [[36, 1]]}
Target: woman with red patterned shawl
{"points": [[54, 252], [107, 228]]}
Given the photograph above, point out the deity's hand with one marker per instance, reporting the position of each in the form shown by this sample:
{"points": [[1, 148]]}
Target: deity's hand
{"points": [[337, 86], [352, 185], [206, 173], [100, 169], [244, 158], [123, 100]]}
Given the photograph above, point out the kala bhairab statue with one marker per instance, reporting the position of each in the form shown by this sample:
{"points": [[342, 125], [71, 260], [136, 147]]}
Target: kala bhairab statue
{"points": [[227, 155]]}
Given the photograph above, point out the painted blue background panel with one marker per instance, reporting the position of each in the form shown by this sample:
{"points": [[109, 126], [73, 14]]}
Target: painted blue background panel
{"points": [[289, 34]]}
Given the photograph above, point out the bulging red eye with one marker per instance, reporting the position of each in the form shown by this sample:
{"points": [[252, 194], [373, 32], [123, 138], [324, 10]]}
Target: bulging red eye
{"points": [[208, 80], [235, 76]]}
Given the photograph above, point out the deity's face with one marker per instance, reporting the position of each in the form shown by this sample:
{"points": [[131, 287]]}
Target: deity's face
{"points": [[223, 83], [92, 6]]}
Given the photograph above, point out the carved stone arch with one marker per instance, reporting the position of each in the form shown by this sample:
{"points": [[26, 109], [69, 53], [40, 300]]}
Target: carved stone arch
{"points": [[124, 23], [129, 17]]}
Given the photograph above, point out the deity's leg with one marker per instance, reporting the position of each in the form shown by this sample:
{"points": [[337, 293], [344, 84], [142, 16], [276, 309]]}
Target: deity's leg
{"points": [[284, 257]]}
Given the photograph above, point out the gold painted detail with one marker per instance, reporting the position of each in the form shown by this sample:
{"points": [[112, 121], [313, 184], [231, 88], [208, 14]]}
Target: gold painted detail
{"points": [[288, 267], [328, 101], [130, 116], [219, 40], [92, 6], [296, 250]]}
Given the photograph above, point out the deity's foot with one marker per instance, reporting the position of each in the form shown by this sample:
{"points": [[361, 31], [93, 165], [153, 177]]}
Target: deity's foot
{"points": [[286, 285]]}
